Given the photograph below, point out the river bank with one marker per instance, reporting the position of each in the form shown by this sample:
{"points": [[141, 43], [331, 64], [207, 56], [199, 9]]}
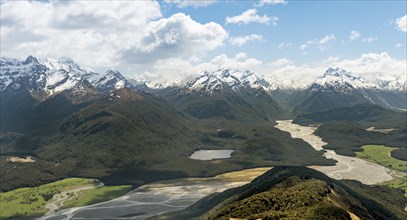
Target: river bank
{"points": [[159, 197], [346, 167]]}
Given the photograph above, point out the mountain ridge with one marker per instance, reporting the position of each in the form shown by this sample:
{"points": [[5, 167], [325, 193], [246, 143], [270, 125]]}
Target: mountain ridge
{"points": [[49, 67], [50, 76], [43, 78], [339, 88], [289, 192], [224, 93]]}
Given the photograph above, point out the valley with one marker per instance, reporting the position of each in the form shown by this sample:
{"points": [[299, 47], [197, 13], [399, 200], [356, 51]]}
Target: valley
{"points": [[382, 155], [203, 110], [345, 167], [169, 196], [159, 197], [174, 145]]}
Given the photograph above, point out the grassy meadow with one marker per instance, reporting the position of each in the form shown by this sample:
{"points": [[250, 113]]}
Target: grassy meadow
{"points": [[96, 195], [381, 155], [30, 202]]}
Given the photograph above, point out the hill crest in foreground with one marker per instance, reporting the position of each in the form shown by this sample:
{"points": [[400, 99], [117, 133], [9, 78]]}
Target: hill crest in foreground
{"points": [[299, 192]]}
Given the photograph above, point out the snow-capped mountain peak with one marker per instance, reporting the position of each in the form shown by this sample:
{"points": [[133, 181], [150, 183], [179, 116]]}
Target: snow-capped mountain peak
{"points": [[252, 80], [31, 59], [222, 80], [285, 84], [49, 76], [114, 73], [342, 80], [210, 81], [44, 75], [338, 73], [112, 79], [66, 60], [339, 80], [390, 82]]}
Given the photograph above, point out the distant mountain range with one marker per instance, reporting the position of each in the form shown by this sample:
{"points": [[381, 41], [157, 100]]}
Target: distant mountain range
{"points": [[55, 75], [338, 88], [208, 93], [224, 80], [225, 93], [46, 77]]}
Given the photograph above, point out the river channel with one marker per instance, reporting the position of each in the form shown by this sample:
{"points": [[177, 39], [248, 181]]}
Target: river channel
{"points": [[168, 196]]}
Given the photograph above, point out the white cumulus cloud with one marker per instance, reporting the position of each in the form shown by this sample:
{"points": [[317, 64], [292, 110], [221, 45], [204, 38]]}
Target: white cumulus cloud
{"points": [[354, 35], [306, 45], [175, 69], [369, 40], [368, 65], [284, 45], [327, 39], [177, 35], [251, 16], [83, 30], [281, 62], [270, 2], [238, 62], [323, 43], [242, 40], [401, 23], [189, 3], [102, 33]]}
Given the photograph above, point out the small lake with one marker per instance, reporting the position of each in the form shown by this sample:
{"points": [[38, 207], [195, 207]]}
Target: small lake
{"points": [[211, 154]]}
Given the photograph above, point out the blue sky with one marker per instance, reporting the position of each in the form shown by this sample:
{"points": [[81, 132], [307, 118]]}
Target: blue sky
{"points": [[300, 21], [170, 39]]}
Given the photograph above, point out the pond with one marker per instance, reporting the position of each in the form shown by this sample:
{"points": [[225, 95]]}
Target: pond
{"points": [[211, 154], [27, 159]]}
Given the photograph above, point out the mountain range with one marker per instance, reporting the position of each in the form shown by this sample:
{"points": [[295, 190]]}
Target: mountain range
{"points": [[335, 88], [338, 88], [78, 122], [224, 93], [62, 113], [46, 77], [55, 75]]}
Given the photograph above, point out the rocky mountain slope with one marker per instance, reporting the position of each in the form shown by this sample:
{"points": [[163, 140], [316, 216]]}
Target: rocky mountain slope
{"points": [[224, 93], [46, 77], [339, 88]]}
